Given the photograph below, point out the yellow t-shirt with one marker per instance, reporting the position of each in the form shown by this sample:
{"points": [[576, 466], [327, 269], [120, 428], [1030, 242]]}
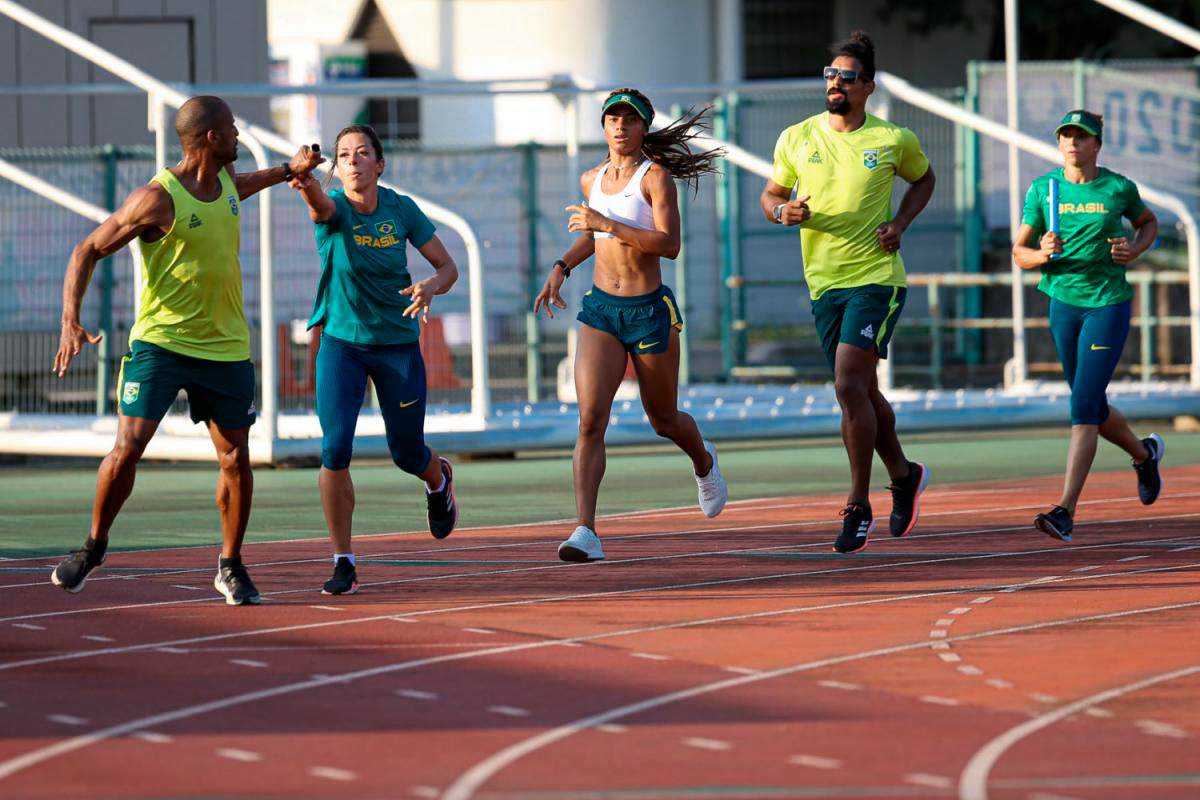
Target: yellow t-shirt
{"points": [[849, 177], [191, 300]]}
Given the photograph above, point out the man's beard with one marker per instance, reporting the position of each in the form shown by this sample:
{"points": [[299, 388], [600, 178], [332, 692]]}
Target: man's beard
{"points": [[840, 107]]}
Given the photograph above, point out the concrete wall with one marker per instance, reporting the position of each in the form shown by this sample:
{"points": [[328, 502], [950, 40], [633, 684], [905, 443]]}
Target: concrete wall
{"points": [[201, 41]]}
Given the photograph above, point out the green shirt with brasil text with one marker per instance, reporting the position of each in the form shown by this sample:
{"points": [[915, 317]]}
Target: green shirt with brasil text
{"points": [[364, 265], [1089, 214], [849, 179]]}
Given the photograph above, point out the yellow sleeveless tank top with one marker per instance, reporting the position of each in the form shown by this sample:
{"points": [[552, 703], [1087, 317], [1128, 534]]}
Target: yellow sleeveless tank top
{"points": [[191, 301]]}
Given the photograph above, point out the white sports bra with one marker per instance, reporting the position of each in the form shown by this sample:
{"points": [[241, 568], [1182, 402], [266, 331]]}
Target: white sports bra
{"points": [[628, 205]]}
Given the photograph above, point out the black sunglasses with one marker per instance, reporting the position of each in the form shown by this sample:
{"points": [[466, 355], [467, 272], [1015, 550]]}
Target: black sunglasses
{"points": [[848, 75]]}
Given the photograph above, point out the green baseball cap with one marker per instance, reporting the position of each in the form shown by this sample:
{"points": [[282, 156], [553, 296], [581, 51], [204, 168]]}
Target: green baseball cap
{"points": [[1084, 120], [637, 105]]}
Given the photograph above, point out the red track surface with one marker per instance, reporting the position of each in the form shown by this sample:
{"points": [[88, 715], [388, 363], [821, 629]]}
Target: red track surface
{"points": [[734, 657]]}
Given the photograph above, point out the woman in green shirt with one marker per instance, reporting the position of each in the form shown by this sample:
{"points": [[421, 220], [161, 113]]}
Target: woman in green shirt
{"points": [[1074, 216]]}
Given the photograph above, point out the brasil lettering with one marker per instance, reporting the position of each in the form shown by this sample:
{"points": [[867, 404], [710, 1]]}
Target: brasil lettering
{"points": [[383, 241], [1082, 208]]}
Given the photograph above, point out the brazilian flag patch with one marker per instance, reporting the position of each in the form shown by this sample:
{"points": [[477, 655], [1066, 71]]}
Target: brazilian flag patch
{"points": [[385, 228], [130, 393]]}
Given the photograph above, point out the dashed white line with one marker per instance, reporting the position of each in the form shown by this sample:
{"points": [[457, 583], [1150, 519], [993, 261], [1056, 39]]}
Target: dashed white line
{"points": [[67, 719], [404, 619], [967, 669], [740, 670], [189, 588], [932, 781], [945, 622], [949, 656], [478, 630], [612, 727], [651, 656], [1088, 568], [417, 694], [332, 773], [248, 662], [97, 638], [1131, 558], [570, 644], [937, 634], [170, 650], [850, 687], [1156, 728], [29, 626], [1181, 549], [961, 610], [707, 744], [153, 737], [999, 683], [939, 645], [234, 754], [938, 701], [1097, 711], [509, 711], [328, 608], [981, 600], [1043, 698], [425, 791], [817, 762]]}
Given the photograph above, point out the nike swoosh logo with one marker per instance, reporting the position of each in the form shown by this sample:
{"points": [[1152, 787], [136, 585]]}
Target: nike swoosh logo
{"points": [[409, 403], [1101, 347], [644, 345]]}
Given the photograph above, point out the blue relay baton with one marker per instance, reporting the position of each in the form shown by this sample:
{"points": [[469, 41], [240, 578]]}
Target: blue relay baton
{"points": [[1054, 211]]}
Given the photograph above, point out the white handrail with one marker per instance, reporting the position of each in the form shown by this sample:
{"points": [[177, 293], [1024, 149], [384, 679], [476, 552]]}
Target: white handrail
{"points": [[1156, 20], [935, 105], [480, 397]]}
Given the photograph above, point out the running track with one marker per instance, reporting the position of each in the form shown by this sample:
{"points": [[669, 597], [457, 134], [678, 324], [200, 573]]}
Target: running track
{"points": [[734, 657]]}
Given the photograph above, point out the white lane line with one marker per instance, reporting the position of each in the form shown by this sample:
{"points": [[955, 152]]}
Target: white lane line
{"points": [[949, 657], [29, 626], [466, 784], [1130, 558], [565, 643], [249, 662], [612, 727], [939, 645], [67, 719], [234, 754], [707, 744], [651, 656], [417, 694], [189, 588], [967, 669], [972, 784], [1181, 549], [3, 705], [169, 649], [328, 608], [945, 622], [938, 634], [332, 773], [938, 701], [1156, 728], [932, 781], [849, 687], [981, 600], [1097, 711], [154, 737], [1088, 568], [97, 638], [1048, 699], [816, 762], [740, 670], [478, 630], [403, 619], [471, 779], [428, 792], [509, 711], [1045, 796], [961, 610], [999, 683]]}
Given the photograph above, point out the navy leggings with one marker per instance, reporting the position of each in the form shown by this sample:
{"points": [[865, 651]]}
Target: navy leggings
{"points": [[399, 375], [1089, 343]]}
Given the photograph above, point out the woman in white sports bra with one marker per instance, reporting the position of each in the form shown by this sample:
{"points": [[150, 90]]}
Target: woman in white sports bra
{"points": [[630, 221]]}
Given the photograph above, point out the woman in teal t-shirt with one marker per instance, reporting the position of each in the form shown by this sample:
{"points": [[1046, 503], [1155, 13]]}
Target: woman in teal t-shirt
{"points": [[1083, 252], [367, 305]]}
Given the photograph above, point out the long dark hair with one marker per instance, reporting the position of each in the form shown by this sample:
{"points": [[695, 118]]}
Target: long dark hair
{"points": [[365, 130], [669, 146]]}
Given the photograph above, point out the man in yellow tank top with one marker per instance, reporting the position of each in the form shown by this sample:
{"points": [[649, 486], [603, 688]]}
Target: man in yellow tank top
{"points": [[191, 331], [843, 164]]}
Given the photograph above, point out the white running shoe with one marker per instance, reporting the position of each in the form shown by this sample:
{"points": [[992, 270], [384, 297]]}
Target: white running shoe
{"points": [[582, 545], [712, 488]]}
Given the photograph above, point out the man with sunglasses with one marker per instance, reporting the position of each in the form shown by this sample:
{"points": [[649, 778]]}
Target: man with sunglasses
{"points": [[842, 164]]}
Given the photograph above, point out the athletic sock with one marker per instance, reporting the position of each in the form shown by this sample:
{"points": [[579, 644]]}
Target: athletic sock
{"points": [[440, 488], [350, 556]]}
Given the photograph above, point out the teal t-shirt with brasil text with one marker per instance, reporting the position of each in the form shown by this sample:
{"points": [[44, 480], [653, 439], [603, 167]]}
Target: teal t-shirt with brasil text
{"points": [[364, 265], [1089, 214]]}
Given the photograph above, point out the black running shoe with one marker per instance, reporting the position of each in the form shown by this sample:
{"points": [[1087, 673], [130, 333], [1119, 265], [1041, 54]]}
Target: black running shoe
{"points": [[443, 511], [857, 523], [234, 582], [1149, 481], [1056, 522], [73, 572], [906, 499], [344, 580]]}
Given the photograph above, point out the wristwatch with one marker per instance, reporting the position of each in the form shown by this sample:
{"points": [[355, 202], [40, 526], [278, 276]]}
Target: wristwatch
{"points": [[287, 171], [566, 271], [777, 213]]}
